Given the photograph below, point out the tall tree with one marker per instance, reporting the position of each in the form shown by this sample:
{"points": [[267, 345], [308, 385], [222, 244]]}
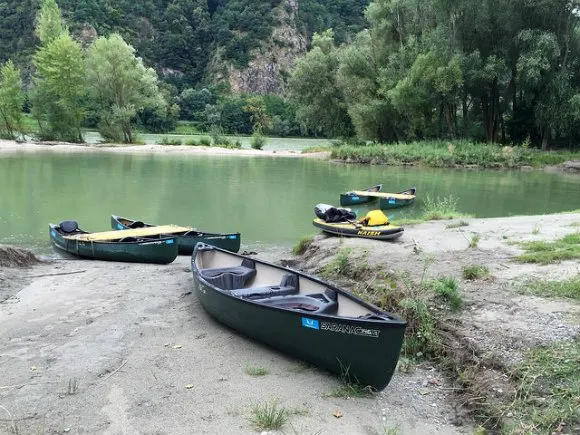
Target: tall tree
{"points": [[49, 25], [313, 88], [11, 100], [59, 89], [119, 87]]}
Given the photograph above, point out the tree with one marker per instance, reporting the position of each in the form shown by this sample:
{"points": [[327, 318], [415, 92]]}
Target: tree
{"points": [[49, 26], [11, 100], [313, 89], [120, 86], [257, 109], [59, 91]]}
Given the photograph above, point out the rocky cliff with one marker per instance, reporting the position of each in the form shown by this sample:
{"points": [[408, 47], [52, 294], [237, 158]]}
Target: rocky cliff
{"points": [[272, 63]]}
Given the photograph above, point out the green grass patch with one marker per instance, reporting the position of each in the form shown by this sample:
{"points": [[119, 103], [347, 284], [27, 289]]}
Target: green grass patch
{"points": [[410, 300], [440, 208], [450, 154], [475, 271], [569, 288], [345, 265], [350, 387], [256, 371], [566, 248], [269, 416], [316, 149], [447, 290], [171, 140], [474, 241], [458, 224], [302, 245], [548, 394]]}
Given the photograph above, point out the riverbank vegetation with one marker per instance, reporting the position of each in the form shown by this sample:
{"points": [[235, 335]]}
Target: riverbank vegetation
{"points": [[532, 388], [451, 154], [441, 88]]}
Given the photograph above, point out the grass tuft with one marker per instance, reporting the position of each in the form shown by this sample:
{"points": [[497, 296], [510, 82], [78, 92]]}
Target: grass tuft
{"points": [[350, 387], [441, 208], [474, 271], [474, 241], [458, 224], [566, 248], [302, 245], [446, 289], [343, 265], [269, 416], [256, 371], [569, 288], [548, 393]]}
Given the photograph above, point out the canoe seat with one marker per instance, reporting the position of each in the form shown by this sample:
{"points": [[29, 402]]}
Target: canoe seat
{"points": [[318, 303], [69, 226], [230, 278], [137, 224], [288, 286]]}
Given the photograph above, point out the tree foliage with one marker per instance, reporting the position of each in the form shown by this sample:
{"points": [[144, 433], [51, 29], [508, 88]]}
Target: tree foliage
{"points": [[120, 87], [313, 88], [11, 101], [58, 95], [50, 25], [498, 70]]}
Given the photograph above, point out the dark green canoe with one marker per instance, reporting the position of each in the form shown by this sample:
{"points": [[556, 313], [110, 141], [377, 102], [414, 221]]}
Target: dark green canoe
{"points": [[395, 200], [186, 240], [299, 314], [358, 197], [68, 238]]}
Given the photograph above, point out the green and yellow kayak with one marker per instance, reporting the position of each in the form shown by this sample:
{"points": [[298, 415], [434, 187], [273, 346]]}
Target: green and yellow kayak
{"points": [[355, 229]]}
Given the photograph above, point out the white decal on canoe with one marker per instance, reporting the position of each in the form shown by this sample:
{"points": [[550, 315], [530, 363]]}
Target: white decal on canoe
{"points": [[349, 329]]}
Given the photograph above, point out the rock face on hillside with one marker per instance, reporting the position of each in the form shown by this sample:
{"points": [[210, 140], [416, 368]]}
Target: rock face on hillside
{"points": [[271, 64]]}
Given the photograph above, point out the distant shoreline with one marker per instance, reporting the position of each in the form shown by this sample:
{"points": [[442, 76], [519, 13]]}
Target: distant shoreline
{"points": [[8, 146]]}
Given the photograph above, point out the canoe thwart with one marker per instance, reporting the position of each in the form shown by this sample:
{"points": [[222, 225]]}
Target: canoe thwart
{"points": [[318, 303], [135, 232]]}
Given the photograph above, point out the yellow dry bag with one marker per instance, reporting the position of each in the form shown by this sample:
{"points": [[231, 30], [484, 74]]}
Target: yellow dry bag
{"points": [[374, 218]]}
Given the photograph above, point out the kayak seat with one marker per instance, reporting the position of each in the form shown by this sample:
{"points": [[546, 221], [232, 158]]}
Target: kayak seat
{"points": [[288, 286], [230, 278], [318, 303]]}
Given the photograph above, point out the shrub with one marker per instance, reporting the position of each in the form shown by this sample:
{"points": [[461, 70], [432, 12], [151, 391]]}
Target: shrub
{"points": [[258, 141]]}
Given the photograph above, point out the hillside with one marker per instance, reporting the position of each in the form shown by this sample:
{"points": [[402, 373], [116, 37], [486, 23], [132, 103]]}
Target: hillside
{"points": [[251, 43]]}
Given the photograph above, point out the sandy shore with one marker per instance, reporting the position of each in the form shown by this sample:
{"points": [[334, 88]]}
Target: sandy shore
{"points": [[112, 348], [7, 146]]}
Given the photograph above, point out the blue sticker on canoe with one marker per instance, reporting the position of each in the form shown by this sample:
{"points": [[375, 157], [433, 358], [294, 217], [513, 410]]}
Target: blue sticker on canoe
{"points": [[391, 201], [310, 323], [355, 197], [169, 242], [232, 237], [53, 233], [119, 226]]}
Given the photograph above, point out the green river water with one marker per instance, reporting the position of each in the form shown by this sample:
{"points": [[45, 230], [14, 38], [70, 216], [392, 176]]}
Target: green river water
{"points": [[270, 200]]}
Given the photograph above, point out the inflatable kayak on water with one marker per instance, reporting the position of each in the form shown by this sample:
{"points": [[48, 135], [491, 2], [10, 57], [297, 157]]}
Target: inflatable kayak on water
{"points": [[341, 222]]}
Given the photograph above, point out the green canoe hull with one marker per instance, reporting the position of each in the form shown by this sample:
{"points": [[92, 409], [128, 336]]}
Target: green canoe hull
{"points": [[368, 348], [351, 198], [186, 241], [389, 203], [161, 250]]}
